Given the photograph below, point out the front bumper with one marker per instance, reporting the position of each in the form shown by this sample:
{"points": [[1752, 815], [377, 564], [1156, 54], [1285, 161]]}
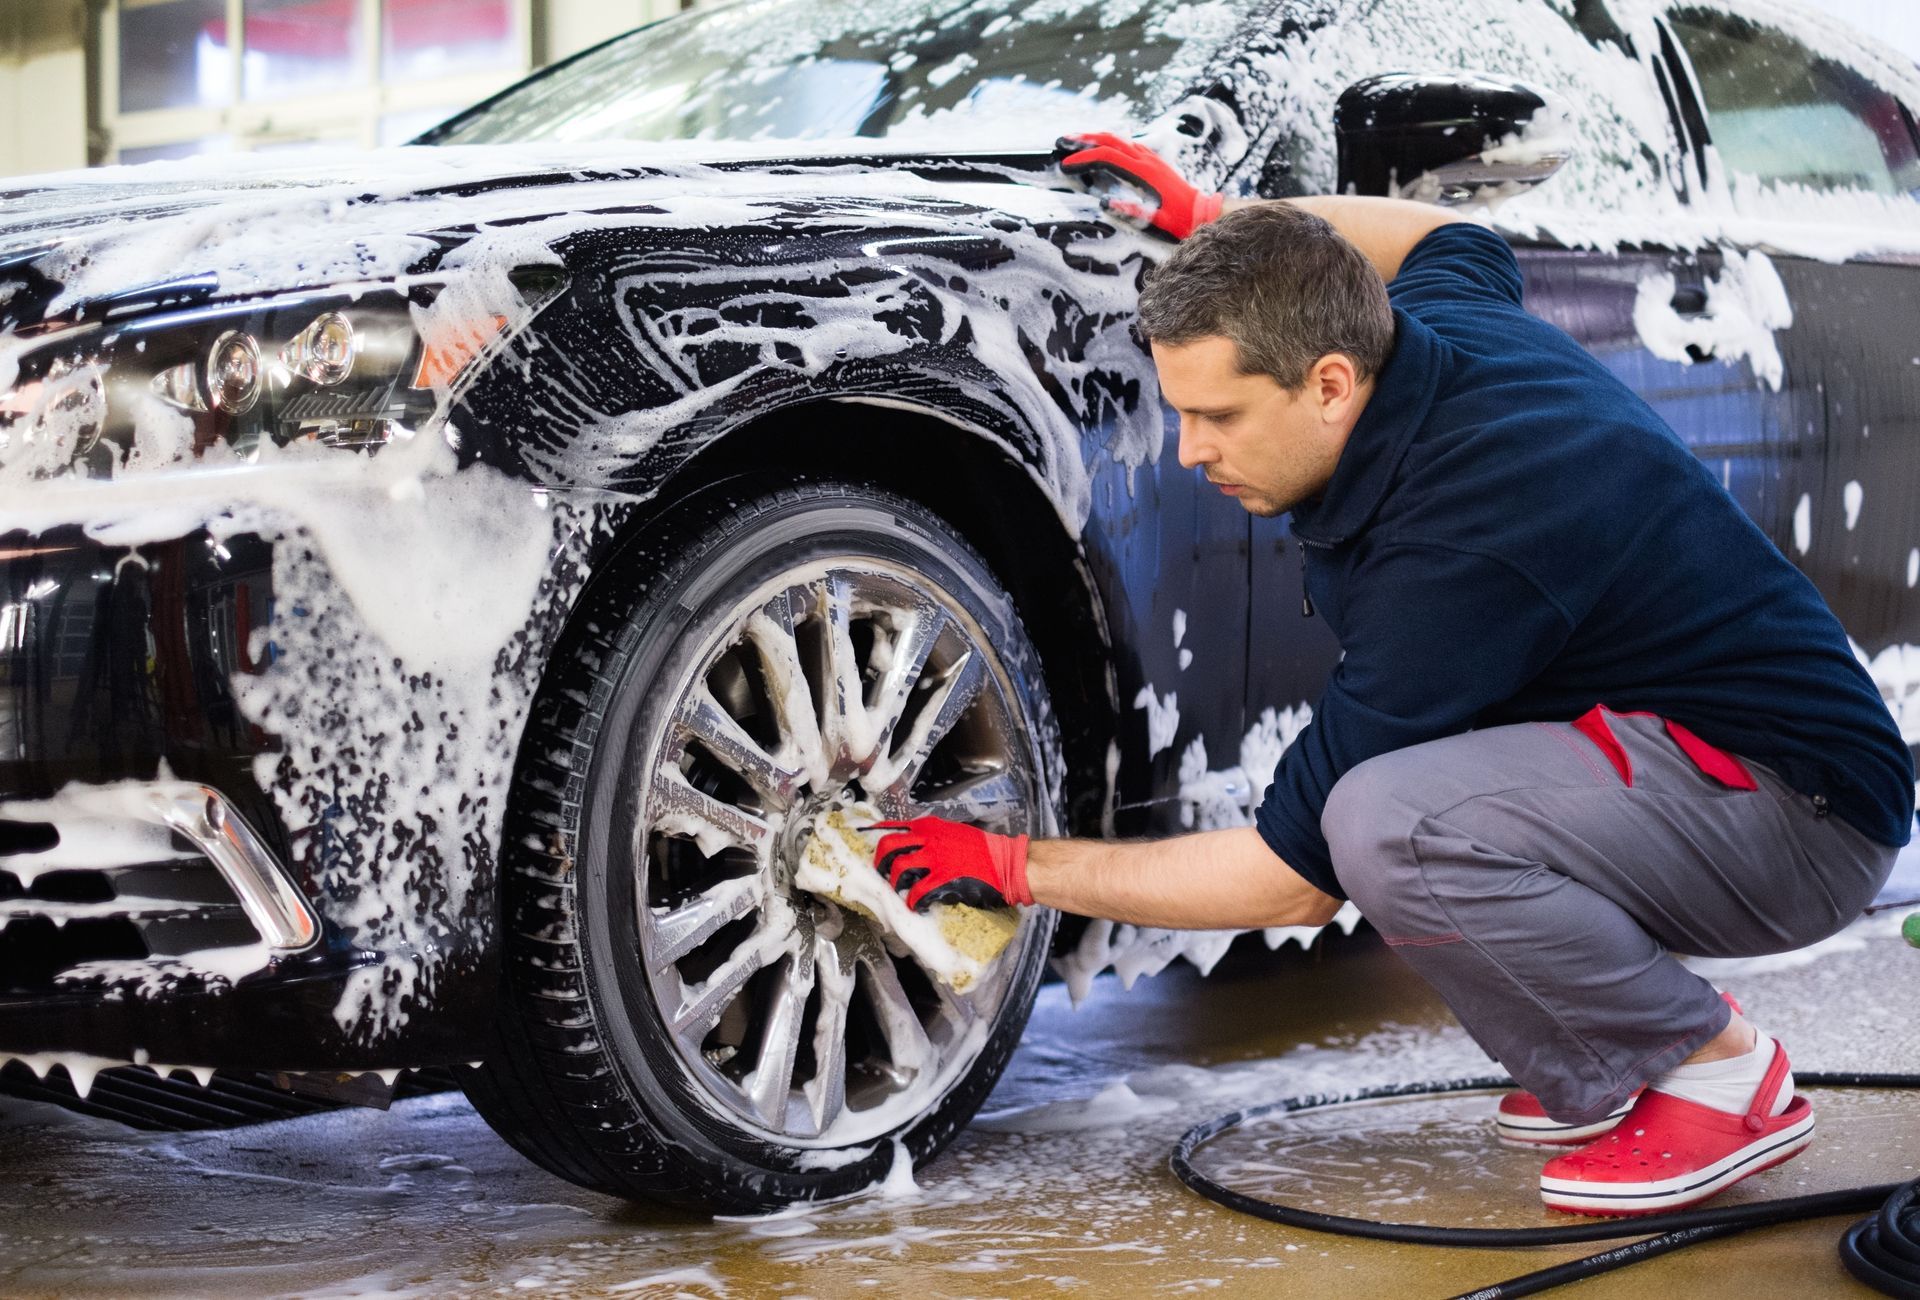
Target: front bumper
{"points": [[152, 906]]}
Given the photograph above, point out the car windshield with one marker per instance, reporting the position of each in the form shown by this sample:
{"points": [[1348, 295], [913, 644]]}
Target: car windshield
{"points": [[816, 69]]}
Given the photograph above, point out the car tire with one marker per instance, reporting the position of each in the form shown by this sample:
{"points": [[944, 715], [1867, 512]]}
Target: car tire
{"points": [[614, 1064]]}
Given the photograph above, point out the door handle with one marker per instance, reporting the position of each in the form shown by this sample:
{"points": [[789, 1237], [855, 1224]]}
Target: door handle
{"points": [[1689, 300]]}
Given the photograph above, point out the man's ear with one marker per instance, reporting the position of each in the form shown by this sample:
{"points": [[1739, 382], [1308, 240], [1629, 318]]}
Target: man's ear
{"points": [[1332, 383]]}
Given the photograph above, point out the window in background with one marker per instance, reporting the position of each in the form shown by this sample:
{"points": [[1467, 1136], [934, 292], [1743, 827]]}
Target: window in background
{"points": [[436, 38], [180, 77], [295, 47], [184, 58]]}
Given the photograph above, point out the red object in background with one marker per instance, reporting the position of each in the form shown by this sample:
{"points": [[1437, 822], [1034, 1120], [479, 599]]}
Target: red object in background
{"points": [[324, 29]]}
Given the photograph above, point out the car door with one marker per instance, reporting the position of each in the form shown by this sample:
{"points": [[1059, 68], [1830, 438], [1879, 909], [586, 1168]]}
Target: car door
{"points": [[1811, 158]]}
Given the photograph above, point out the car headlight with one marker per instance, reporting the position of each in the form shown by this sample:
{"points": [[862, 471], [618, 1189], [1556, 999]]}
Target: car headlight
{"points": [[348, 369]]}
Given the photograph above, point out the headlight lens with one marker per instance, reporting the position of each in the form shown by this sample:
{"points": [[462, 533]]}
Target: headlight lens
{"points": [[324, 351], [233, 374], [351, 370]]}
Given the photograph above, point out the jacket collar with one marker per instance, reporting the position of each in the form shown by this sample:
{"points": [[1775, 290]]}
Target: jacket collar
{"points": [[1394, 413]]}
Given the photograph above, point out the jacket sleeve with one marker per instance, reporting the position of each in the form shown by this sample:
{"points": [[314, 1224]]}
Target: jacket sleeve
{"points": [[1435, 635], [1455, 261]]}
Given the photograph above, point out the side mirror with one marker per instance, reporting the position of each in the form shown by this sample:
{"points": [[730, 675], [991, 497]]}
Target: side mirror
{"points": [[1447, 139]]}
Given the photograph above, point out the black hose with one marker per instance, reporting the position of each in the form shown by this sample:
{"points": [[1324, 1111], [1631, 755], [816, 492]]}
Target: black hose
{"points": [[1883, 1250]]}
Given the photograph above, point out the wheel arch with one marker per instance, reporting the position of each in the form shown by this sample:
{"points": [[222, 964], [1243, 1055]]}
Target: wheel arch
{"points": [[978, 482]]}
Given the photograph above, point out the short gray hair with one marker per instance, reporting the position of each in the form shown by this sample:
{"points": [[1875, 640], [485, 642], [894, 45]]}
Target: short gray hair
{"points": [[1281, 284]]}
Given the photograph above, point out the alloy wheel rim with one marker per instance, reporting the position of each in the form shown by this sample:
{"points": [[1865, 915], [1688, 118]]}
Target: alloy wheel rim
{"points": [[854, 682]]}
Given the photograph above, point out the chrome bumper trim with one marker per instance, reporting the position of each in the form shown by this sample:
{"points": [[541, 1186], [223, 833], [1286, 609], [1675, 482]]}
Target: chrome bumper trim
{"points": [[278, 910]]}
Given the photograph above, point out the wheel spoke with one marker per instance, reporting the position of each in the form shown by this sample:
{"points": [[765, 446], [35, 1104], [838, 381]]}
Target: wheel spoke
{"points": [[678, 931], [909, 661], [959, 1009], [991, 798], [907, 1040], [826, 1092], [844, 727], [727, 741], [679, 809], [771, 631], [956, 696], [701, 1005], [770, 1086]]}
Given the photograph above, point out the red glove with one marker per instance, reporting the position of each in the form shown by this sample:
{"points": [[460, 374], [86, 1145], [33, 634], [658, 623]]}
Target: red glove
{"points": [[946, 862], [1177, 207]]}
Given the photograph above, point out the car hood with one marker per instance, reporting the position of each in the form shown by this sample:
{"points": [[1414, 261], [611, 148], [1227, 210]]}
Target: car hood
{"points": [[253, 223]]}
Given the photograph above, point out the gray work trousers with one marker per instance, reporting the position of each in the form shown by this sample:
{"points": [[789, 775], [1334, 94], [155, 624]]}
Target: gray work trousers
{"points": [[1544, 897]]}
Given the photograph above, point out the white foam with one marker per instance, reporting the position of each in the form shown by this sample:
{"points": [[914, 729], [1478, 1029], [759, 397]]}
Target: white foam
{"points": [[1163, 717], [899, 1184], [1895, 669], [1114, 1106], [1209, 800]]}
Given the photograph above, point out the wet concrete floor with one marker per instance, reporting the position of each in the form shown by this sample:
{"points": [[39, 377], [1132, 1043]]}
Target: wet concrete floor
{"points": [[1062, 1187]]}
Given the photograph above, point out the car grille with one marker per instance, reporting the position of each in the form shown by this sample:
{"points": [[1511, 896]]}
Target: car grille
{"points": [[69, 929]]}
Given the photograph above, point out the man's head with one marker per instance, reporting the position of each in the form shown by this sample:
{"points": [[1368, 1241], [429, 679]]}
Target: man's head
{"points": [[1268, 329]]}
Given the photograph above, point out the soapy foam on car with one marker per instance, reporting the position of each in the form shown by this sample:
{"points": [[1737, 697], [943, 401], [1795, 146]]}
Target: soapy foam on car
{"points": [[1209, 800]]}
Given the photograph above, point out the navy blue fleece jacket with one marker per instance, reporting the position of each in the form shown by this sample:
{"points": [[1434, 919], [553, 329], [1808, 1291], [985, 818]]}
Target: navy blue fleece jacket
{"points": [[1512, 535]]}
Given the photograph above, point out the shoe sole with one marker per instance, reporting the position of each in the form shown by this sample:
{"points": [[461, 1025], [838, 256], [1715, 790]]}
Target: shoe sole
{"points": [[1624, 1200], [1544, 1132]]}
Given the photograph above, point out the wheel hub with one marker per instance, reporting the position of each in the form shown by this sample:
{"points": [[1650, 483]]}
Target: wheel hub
{"points": [[795, 830]]}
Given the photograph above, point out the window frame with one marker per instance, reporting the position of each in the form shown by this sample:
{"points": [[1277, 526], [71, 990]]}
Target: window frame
{"points": [[349, 116]]}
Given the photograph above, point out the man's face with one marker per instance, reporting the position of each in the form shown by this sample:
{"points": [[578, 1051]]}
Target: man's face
{"points": [[1270, 448]]}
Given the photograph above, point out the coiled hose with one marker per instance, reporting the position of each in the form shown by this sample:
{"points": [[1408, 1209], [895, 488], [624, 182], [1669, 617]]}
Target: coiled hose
{"points": [[1882, 1250]]}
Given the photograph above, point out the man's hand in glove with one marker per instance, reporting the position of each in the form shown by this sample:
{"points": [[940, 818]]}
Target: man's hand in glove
{"points": [[1165, 200], [945, 862]]}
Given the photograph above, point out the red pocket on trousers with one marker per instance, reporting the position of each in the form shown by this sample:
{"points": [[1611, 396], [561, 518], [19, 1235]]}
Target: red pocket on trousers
{"points": [[1715, 762]]}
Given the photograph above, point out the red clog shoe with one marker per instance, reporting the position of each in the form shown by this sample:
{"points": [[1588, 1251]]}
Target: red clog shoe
{"points": [[1519, 1120], [1669, 1153]]}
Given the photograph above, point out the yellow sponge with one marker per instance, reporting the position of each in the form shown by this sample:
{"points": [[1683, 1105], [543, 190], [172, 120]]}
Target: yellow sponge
{"points": [[955, 943]]}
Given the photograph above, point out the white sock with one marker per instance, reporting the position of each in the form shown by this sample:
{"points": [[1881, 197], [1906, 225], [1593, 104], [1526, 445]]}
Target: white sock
{"points": [[1727, 1084]]}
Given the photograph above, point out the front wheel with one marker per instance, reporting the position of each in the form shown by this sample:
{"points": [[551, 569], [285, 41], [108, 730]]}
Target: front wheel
{"points": [[682, 1022]]}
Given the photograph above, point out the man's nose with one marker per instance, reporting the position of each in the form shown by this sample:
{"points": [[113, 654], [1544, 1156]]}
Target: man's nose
{"points": [[1193, 452]]}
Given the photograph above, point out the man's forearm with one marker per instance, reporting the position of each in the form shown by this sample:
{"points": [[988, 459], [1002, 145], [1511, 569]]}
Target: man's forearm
{"points": [[1216, 880], [1384, 230]]}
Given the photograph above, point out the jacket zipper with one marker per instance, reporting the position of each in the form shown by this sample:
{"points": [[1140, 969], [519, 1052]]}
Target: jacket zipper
{"points": [[1306, 601]]}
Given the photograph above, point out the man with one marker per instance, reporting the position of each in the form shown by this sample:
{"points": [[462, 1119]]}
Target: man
{"points": [[1587, 714]]}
